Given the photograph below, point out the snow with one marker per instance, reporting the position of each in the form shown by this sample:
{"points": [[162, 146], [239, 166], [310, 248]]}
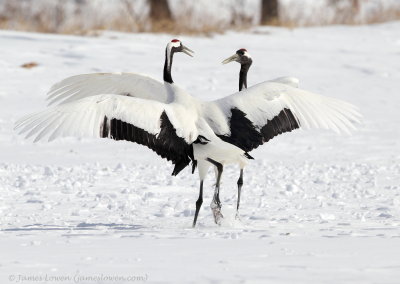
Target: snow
{"points": [[316, 207]]}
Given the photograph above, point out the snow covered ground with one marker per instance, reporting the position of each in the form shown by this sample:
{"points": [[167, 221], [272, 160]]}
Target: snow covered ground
{"points": [[316, 207]]}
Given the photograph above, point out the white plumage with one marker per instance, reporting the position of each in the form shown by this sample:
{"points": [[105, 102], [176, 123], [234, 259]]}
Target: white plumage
{"points": [[260, 103], [83, 118], [264, 101], [291, 81], [85, 85]]}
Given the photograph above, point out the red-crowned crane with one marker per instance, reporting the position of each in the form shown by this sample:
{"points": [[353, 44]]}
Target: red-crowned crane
{"points": [[243, 57]]}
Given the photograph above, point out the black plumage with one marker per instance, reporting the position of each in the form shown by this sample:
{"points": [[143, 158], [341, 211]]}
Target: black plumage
{"points": [[243, 132], [283, 122], [166, 144], [245, 135]]}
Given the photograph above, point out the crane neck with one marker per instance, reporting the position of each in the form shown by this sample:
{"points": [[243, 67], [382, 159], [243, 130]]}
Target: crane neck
{"points": [[244, 68], [169, 54]]}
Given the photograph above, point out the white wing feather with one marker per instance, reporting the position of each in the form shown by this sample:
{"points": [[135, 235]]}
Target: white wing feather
{"points": [[85, 85], [83, 118], [266, 100], [291, 81]]}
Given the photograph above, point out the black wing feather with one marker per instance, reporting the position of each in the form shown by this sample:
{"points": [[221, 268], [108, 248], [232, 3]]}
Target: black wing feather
{"points": [[245, 135], [285, 121], [166, 144]]}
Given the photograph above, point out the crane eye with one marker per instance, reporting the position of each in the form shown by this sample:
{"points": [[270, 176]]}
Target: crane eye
{"points": [[241, 51]]}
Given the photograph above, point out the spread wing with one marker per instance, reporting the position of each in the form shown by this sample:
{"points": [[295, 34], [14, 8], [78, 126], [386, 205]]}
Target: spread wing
{"points": [[149, 123], [254, 116], [85, 85], [291, 81]]}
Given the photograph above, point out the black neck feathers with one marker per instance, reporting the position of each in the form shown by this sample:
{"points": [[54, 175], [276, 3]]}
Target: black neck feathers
{"points": [[168, 66], [244, 68]]}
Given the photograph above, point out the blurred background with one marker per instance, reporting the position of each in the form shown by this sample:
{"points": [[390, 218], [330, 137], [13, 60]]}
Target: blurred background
{"points": [[187, 17]]}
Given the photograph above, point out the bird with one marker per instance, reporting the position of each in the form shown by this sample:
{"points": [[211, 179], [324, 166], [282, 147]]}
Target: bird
{"points": [[243, 57], [185, 129], [120, 83], [124, 84]]}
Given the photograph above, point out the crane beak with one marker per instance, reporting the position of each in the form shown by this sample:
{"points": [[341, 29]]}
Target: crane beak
{"points": [[234, 57], [187, 51]]}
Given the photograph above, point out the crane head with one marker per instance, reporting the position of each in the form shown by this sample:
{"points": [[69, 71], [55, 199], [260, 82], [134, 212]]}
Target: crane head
{"points": [[176, 45], [241, 56]]}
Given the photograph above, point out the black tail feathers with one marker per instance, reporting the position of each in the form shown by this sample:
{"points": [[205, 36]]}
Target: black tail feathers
{"points": [[248, 156], [194, 165]]}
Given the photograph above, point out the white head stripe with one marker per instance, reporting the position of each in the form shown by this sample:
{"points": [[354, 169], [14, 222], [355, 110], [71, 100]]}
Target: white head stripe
{"points": [[173, 44], [247, 54]]}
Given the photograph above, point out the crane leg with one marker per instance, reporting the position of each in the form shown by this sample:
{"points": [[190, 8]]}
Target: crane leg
{"points": [[216, 202], [198, 204], [240, 184]]}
